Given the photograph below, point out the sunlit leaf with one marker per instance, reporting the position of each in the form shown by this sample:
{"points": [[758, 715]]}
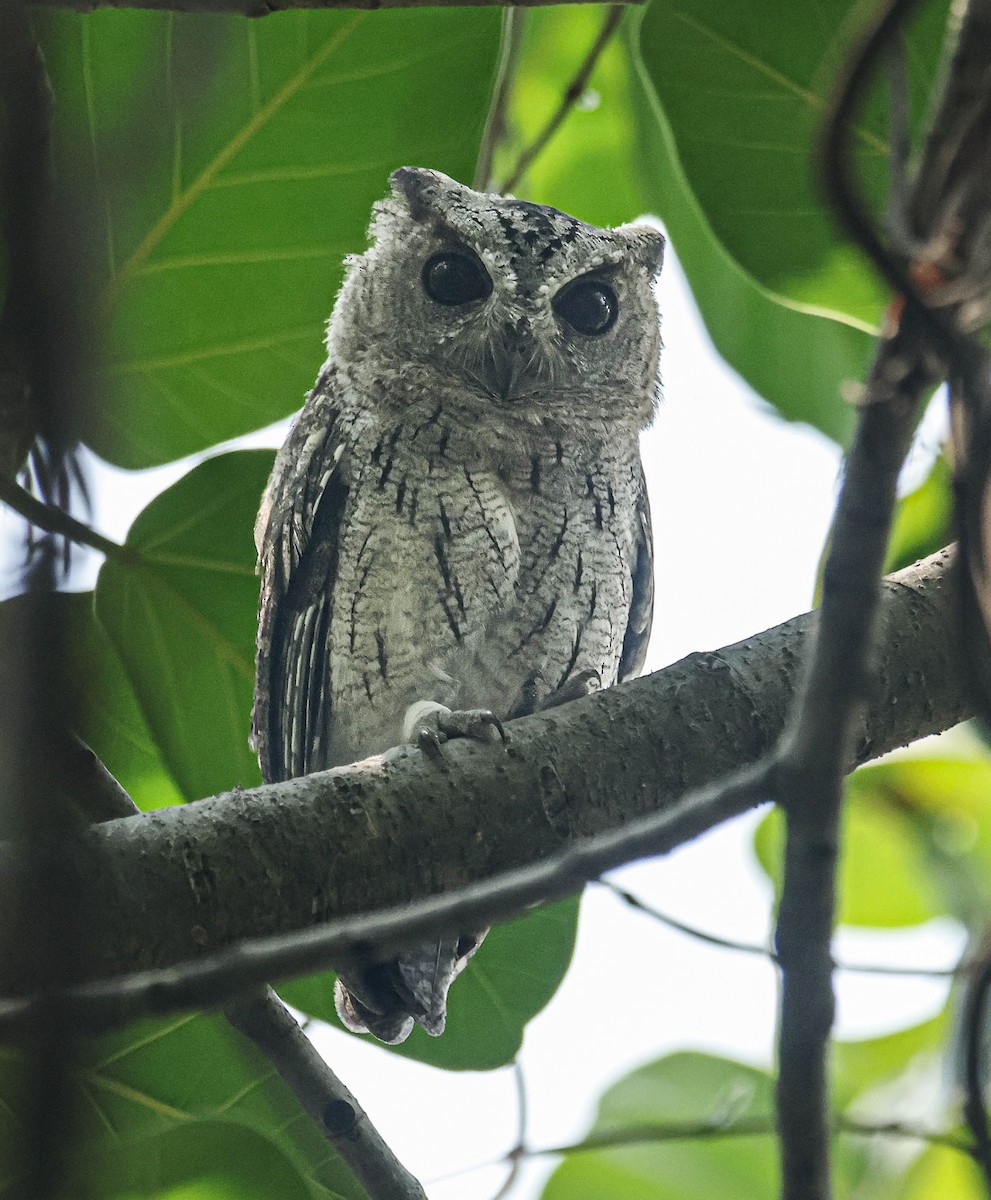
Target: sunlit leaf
{"points": [[512, 977], [944, 1173], [231, 165], [105, 715], [182, 617]]}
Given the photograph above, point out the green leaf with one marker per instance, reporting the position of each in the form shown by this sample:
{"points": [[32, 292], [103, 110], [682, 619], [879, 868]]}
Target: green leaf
{"points": [[882, 876], [163, 1103], [182, 617], [232, 164], [682, 1089], [512, 977], [687, 1126], [746, 89], [205, 1160], [923, 519], [106, 714], [797, 359]]}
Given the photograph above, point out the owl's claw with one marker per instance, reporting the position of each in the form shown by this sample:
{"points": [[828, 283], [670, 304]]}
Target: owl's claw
{"points": [[474, 723], [429, 725]]}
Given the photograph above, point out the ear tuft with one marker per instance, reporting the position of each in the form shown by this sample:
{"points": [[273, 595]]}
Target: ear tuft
{"points": [[418, 188], [646, 245]]}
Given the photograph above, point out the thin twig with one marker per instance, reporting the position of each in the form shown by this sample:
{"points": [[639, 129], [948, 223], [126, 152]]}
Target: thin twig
{"points": [[975, 1019], [495, 123], [57, 520], [515, 1156], [743, 1127], [266, 1021], [759, 951], [573, 93]]}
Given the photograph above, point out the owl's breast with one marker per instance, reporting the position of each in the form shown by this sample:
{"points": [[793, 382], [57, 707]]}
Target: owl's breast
{"points": [[429, 565], [474, 585]]}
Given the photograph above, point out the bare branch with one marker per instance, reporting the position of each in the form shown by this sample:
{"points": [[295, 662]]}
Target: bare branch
{"points": [[758, 951], [266, 1021], [816, 752]]}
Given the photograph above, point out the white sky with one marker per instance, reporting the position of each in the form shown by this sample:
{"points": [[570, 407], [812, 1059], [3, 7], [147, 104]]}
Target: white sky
{"points": [[741, 504]]}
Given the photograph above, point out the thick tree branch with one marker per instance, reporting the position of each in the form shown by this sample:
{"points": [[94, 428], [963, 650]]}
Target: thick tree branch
{"points": [[177, 882]]}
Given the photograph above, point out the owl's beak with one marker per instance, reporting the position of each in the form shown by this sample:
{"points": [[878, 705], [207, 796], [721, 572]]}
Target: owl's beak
{"points": [[511, 355]]}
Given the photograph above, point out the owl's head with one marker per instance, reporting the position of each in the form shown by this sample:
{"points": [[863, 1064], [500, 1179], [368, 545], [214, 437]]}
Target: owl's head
{"points": [[512, 304]]}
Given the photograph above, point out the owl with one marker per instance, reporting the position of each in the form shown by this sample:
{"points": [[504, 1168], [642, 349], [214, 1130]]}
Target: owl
{"points": [[457, 525]]}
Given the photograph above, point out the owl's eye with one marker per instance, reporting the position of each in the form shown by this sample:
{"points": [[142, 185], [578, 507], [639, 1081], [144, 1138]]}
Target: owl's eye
{"points": [[451, 278], [589, 307]]}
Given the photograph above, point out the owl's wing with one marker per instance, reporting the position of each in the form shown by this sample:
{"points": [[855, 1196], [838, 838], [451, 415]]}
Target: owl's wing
{"points": [[642, 604], [297, 534]]}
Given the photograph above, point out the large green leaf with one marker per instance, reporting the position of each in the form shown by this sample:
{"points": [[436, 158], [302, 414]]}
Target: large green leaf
{"points": [[517, 970], [745, 88], [169, 1102], [796, 358], [945, 806], [106, 714], [182, 614], [231, 166], [916, 842], [859, 1067]]}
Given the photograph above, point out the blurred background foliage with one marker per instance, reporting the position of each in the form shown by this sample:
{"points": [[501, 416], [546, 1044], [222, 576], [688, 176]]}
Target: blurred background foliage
{"points": [[216, 234]]}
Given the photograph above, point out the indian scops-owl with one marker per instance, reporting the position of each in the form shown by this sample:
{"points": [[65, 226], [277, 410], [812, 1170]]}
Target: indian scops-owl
{"points": [[458, 517]]}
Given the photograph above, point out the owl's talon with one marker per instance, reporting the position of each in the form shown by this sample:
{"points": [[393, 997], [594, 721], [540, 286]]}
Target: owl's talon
{"points": [[430, 742], [474, 723]]}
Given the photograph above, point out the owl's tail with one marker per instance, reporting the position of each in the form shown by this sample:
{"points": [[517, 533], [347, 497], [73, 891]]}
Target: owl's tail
{"points": [[387, 999]]}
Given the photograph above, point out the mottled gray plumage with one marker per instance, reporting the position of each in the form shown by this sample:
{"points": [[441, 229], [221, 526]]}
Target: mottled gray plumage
{"points": [[459, 513]]}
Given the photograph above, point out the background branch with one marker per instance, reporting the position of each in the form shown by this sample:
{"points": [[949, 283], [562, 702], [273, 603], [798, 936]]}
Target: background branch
{"points": [[266, 1021]]}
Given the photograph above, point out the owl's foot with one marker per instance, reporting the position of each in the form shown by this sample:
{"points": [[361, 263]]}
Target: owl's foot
{"points": [[429, 725]]}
